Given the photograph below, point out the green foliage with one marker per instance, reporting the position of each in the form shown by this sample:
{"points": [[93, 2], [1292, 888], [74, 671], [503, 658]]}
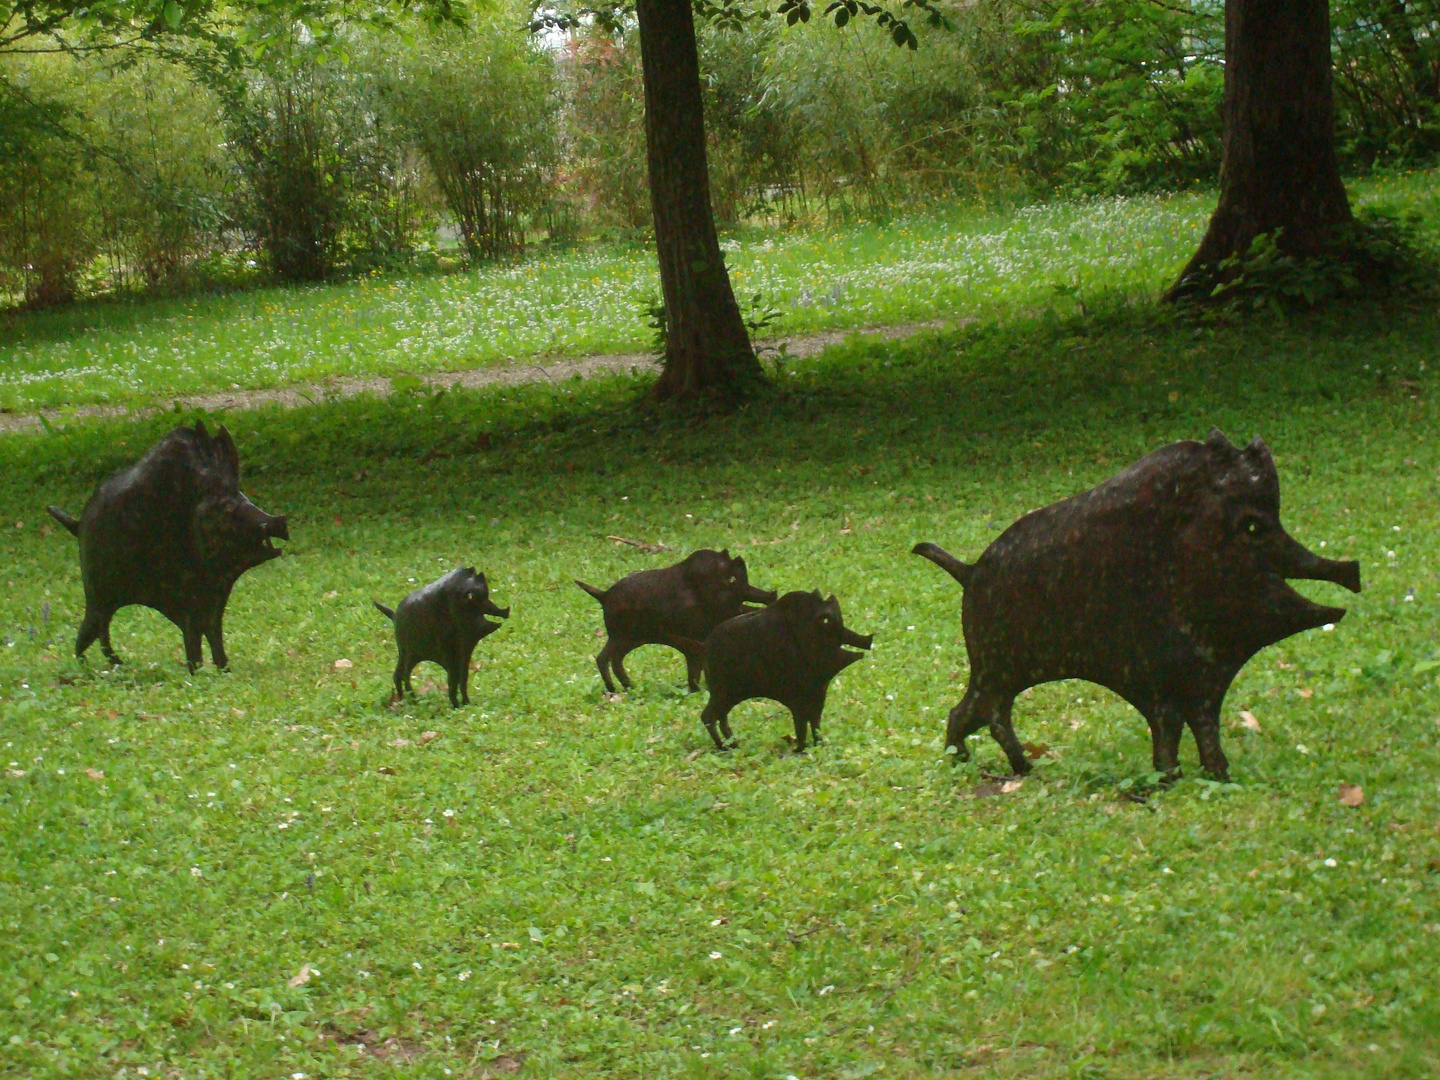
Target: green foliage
{"points": [[1387, 79], [876, 910], [328, 184], [481, 106], [1121, 95], [1379, 253]]}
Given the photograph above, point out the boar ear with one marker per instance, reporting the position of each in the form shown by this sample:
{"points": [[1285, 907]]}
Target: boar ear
{"points": [[1256, 450], [200, 432], [228, 454], [725, 552]]}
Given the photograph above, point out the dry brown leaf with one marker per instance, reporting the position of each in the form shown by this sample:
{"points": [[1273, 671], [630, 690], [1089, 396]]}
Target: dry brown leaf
{"points": [[301, 977], [95, 774], [1012, 785], [385, 770], [400, 742], [428, 736], [1035, 751], [692, 755], [1351, 795], [1306, 693], [1247, 720], [343, 665]]}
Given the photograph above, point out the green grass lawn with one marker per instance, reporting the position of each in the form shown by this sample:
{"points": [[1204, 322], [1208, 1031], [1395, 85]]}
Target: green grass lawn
{"points": [[964, 262], [561, 885]]}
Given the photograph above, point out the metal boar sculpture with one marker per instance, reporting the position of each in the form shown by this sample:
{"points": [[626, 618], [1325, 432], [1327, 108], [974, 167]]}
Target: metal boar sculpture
{"points": [[172, 532], [1159, 585]]}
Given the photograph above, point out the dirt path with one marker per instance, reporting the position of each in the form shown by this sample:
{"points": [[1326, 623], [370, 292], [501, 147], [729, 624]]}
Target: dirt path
{"points": [[556, 371]]}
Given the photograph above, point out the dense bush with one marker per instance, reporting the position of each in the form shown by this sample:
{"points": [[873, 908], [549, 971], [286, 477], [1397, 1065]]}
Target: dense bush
{"points": [[321, 156], [482, 108], [328, 182]]}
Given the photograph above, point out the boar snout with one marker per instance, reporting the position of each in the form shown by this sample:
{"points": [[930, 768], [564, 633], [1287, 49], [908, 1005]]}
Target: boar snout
{"points": [[277, 528], [498, 612], [1295, 560], [751, 595], [856, 641]]}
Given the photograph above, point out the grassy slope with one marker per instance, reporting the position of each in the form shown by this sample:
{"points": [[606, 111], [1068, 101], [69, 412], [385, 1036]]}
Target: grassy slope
{"points": [[957, 263], [609, 897]]}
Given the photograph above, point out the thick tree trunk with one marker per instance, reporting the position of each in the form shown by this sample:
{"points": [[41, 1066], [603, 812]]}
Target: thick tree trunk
{"points": [[707, 352], [1279, 170]]}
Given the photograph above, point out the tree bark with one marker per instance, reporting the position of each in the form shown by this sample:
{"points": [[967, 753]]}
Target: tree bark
{"points": [[1279, 170], [707, 350]]}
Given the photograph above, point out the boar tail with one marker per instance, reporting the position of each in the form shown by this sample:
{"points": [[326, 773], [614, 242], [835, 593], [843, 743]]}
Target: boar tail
{"points": [[65, 519], [389, 613], [599, 594], [960, 571]]}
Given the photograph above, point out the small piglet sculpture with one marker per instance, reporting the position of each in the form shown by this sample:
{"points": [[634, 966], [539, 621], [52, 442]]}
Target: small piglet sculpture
{"points": [[443, 622], [172, 532], [1159, 584], [676, 606], [788, 652]]}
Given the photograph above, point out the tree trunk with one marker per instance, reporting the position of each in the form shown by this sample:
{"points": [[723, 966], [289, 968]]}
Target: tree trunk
{"points": [[1279, 170], [707, 350]]}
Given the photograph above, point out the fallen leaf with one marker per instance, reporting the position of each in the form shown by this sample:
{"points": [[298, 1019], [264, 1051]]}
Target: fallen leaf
{"points": [[1012, 785], [1247, 720], [386, 770], [1035, 751], [1306, 693], [692, 755], [1351, 795], [301, 977], [95, 774], [331, 595], [985, 791], [342, 664], [16, 773], [237, 712], [400, 742], [428, 736]]}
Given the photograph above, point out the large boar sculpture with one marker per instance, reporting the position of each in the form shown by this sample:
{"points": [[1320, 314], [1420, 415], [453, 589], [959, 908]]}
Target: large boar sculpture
{"points": [[1158, 584], [172, 532]]}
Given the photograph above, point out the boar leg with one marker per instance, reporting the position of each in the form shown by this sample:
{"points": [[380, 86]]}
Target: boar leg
{"points": [[95, 624], [807, 721], [215, 634], [694, 664], [453, 679], [1166, 727], [986, 708], [194, 658], [716, 718], [403, 667], [602, 661], [965, 720], [617, 662], [462, 665], [1206, 729], [1003, 733]]}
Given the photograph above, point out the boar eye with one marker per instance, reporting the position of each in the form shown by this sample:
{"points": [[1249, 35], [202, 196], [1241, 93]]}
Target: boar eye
{"points": [[1252, 527]]}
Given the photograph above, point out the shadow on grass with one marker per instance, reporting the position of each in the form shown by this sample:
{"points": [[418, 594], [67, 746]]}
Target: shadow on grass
{"points": [[1099, 389]]}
